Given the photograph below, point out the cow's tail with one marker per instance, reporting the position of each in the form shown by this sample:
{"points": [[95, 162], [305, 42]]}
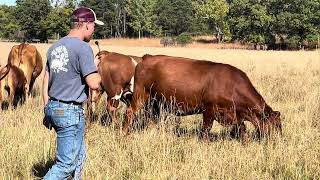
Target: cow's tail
{"points": [[4, 72], [97, 43], [100, 52], [39, 65], [21, 47], [89, 108]]}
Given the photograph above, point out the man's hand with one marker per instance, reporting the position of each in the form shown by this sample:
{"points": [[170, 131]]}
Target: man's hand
{"points": [[47, 123]]}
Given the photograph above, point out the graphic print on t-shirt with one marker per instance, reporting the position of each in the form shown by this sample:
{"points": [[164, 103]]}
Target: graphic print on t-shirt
{"points": [[59, 59]]}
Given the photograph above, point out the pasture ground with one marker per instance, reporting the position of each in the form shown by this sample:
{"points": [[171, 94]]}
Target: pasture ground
{"points": [[289, 82]]}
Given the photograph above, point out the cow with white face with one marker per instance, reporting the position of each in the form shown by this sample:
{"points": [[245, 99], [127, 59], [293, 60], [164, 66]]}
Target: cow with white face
{"points": [[116, 71]]}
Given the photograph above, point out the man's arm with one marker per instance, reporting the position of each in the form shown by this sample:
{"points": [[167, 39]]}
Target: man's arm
{"points": [[93, 80], [45, 83]]}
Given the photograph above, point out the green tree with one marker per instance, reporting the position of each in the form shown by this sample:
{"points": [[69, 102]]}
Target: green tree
{"points": [[296, 21], [64, 3], [9, 28], [249, 21], [57, 23], [141, 18], [30, 14], [114, 14], [214, 12], [174, 16]]}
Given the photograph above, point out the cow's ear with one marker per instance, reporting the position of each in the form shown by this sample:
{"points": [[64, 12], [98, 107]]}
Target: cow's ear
{"points": [[276, 113]]}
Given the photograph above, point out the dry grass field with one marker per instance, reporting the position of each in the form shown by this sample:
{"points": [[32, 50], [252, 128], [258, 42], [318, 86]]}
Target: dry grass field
{"points": [[289, 82]]}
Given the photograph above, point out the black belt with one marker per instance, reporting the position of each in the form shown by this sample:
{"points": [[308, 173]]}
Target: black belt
{"points": [[66, 102]]}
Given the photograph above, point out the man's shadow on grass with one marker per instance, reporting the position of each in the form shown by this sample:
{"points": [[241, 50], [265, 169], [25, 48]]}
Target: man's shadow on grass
{"points": [[41, 168]]}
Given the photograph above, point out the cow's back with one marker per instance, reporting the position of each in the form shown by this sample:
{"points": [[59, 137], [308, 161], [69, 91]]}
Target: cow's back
{"points": [[196, 82], [21, 54], [27, 58], [219, 91], [115, 70]]}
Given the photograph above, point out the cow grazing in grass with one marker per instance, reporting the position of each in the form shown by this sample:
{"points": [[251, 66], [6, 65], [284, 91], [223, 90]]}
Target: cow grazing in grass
{"points": [[28, 59], [220, 92], [12, 80], [116, 72]]}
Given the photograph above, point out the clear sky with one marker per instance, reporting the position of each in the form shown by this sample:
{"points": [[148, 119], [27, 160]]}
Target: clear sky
{"points": [[7, 2]]}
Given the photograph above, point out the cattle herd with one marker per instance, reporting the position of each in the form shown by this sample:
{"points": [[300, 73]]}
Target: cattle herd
{"points": [[183, 86]]}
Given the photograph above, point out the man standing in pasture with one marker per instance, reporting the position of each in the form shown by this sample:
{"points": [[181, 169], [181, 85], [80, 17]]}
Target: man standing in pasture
{"points": [[70, 71]]}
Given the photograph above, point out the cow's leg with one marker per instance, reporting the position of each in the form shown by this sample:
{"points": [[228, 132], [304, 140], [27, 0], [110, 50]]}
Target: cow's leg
{"points": [[113, 100], [258, 126], [27, 91], [152, 111], [208, 118], [256, 121], [254, 116], [95, 98], [265, 124], [28, 75], [139, 99], [22, 96], [31, 86], [238, 131], [112, 106], [11, 98]]}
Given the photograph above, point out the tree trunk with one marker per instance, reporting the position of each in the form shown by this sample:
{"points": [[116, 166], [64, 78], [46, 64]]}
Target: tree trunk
{"points": [[318, 41], [124, 24], [218, 34], [218, 37]]}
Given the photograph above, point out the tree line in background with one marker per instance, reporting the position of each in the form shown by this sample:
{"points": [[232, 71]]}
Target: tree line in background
{"points": [[287, 24]]}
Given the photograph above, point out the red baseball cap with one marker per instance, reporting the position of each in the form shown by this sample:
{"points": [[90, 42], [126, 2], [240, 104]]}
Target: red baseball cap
{"points": [[84, 14]]}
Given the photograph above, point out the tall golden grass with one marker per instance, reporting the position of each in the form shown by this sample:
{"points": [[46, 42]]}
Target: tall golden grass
{"points": [[289, 82]]}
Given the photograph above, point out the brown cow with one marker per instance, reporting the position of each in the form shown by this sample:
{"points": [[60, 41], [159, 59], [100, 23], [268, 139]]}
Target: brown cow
{"points": [[116, 72], [13, 80], [28, 59], [220, 92]]}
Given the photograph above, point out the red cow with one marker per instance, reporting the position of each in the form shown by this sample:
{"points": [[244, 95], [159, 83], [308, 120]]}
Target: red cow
{"points": [[28, 59], [220, 92], [13, 80], [116, 72]]}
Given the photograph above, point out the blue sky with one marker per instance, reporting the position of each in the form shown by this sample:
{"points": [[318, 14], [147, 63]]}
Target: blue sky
{"points": [[7, 2]]}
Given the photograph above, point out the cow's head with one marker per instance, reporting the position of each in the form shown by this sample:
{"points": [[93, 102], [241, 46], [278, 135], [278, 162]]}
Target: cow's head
{"points": [[270, 123], [275, 120]]}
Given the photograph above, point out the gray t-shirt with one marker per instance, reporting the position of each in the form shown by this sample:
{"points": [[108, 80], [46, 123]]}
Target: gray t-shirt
{"points": [[69, 61]]}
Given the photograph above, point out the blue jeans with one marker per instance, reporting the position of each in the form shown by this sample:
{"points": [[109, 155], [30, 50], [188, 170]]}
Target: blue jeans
{"points": [[69, 123]]}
